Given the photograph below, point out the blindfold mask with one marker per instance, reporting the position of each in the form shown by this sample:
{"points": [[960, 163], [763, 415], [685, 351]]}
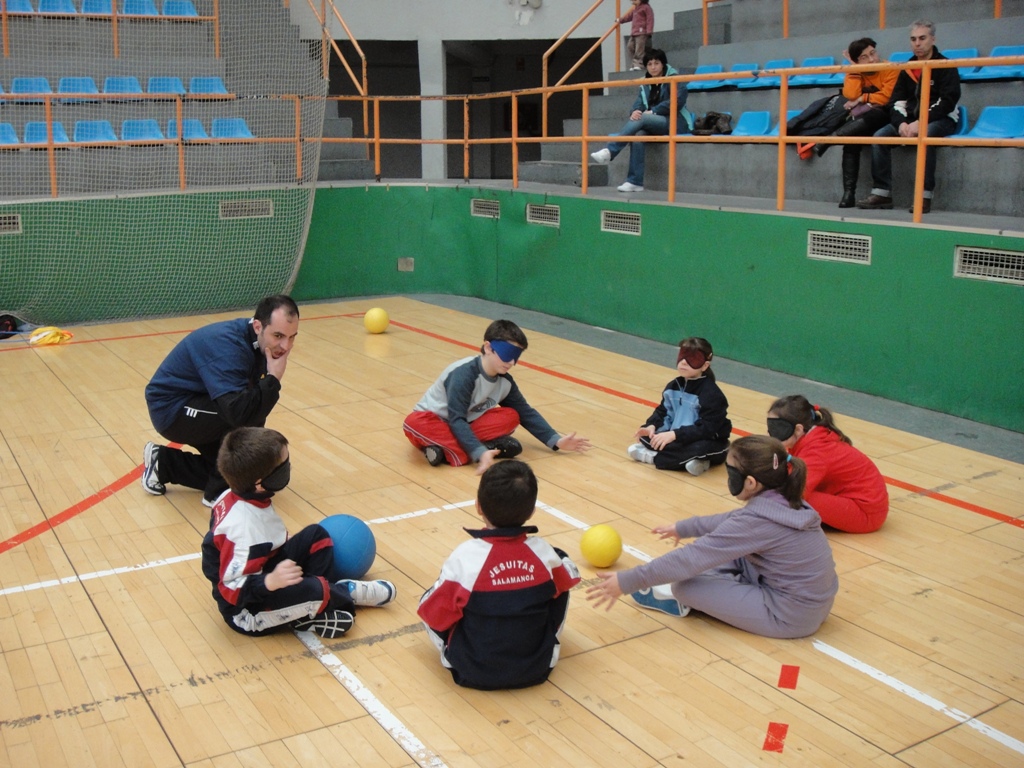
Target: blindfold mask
{"points": [[780, 429], [693, 357], [508, 352]]}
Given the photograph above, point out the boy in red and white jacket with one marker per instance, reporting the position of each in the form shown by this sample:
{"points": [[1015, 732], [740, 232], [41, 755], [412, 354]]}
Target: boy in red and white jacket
{"points": [[497, 610]]}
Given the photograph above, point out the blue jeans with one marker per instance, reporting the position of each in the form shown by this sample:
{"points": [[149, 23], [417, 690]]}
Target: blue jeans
{"points": [[881, 157], [648, 124]]}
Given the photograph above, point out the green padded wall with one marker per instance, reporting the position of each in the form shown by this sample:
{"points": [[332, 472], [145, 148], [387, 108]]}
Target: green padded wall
{"points": [[902, 327]]}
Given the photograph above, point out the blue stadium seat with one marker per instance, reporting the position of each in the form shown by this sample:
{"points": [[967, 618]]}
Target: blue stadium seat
{"points": [[35, 133], [1003, 71], [790, 114], [706, 85], [962, 53], [94, 130], [141, 130], [166, 85], [139, 8], [179, 8], [20, 6], [122, 84], [57, 6], [206, 85], [97, 7], [998, 123], [898, 57], [76, 85], [746, 66], [190, 129], [30, 85], [230, 128], [767, 81], [820, 80], [7, 134], [753, 124]]}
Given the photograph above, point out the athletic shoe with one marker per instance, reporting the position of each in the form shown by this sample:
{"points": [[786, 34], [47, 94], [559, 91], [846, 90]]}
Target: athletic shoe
{"points": [[627, 187], [209, 502], [508, 447], [697, 467], [435, 455], [150, 473], [658, 601], [329, 624], [370, 593], [640, 452], [602, 156]]}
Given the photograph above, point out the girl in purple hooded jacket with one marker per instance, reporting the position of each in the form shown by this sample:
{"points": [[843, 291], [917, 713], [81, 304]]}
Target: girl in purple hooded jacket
{"points": [[766, 568]]}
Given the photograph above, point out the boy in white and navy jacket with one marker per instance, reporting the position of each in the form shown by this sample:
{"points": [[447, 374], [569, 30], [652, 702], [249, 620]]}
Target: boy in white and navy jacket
{"points": [[497, 610]]}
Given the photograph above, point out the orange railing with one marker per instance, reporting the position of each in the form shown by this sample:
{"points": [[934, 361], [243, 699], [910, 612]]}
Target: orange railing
{"points": [[328, 42], [997, 13], [113, 17], [377, 141], [615, 28]]}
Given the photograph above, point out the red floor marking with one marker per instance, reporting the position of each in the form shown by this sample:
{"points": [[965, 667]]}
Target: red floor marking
{"points": [[136, 473], [775, 739], [788, 676]]}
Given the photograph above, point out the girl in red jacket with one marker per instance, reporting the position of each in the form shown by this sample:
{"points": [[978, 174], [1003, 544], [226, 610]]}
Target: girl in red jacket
{"points": [[641, 18], [843, 485]]}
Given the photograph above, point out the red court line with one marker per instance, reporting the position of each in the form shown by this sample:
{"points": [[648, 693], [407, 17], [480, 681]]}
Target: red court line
{"points": [[775, 739], [136, 473], [788, 676]]}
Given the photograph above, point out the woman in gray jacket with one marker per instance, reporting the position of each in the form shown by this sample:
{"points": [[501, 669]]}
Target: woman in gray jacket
{"points": [[766, 568]]}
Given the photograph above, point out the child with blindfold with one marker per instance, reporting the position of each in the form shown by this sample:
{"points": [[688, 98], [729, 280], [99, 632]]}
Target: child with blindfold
{"points": [[690, 429], [766, 568], [470, 411], [263, 579], [843, 485]]}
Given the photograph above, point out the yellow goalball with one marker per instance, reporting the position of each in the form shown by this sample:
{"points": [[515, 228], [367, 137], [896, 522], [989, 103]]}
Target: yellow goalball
{"points": [[376, 320], [601, 545]]}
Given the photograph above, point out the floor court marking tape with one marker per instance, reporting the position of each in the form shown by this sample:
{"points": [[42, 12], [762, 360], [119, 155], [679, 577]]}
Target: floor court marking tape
{"points": [[929, 701]]}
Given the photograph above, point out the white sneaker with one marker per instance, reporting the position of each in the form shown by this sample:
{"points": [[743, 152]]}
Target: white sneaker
{"points": [[150, 474], [627, 187], [636, 69], [697, 467], [640, 452], [370, 593], [603, 156]]}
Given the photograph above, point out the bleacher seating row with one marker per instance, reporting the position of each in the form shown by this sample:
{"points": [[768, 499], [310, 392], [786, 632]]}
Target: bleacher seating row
{"points": [[1000, 72], [993, 123], [131, 130], [170, 9], [119, 85]]}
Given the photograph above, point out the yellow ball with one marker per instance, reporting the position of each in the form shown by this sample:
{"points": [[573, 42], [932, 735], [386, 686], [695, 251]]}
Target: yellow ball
{"points": [[601, 545], [376, 320]]}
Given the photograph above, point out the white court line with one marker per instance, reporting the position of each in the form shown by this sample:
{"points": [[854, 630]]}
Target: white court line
{"points": [[99, 574], [929, 701], [415, 748], [642, 556]]}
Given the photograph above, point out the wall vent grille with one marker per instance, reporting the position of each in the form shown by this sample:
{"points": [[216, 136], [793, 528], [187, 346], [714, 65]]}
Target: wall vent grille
{"points": [[246, 209], [10, 224], [546, 215], [990, 264], [488, 209], [834, 246], [623, 223]]}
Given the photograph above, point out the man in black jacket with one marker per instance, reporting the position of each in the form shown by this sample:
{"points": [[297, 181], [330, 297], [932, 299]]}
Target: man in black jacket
{"points": [[905, 109]]}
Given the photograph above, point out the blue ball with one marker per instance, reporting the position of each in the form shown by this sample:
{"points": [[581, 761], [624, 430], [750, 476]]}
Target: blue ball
{"points": [[354, 546]]}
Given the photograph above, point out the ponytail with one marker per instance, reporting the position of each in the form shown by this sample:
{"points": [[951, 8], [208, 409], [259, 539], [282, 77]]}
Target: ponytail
{"points": [[765, 459], [797, 409]]}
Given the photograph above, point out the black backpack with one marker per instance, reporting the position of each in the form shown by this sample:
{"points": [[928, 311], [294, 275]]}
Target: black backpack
{"points": [[712, 122], [8, 326]]}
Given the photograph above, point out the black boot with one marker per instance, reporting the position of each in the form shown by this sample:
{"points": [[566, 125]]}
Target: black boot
{"points": [[851, 168]]}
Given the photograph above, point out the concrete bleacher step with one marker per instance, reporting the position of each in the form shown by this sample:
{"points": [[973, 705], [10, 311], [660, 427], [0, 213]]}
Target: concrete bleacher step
{"points": [[342, 162], [561, 172]]}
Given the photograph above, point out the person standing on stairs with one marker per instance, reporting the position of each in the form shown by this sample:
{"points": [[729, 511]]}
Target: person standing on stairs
{"points": [[641, 16]]}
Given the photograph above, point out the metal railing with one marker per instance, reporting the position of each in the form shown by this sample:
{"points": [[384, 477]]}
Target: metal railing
{"points": [[997, 13], [515, 141], [114, 17]]}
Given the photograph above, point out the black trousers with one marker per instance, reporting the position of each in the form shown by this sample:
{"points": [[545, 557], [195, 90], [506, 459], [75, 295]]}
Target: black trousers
{"points": [[676, 454], [199, 425]]}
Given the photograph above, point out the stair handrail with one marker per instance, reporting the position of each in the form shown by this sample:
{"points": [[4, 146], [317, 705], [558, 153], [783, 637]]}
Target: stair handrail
{"points": [[547, 55], [361, 88]]}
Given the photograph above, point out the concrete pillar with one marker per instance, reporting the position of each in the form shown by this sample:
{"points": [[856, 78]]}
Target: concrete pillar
{"points": [[432, 82]]}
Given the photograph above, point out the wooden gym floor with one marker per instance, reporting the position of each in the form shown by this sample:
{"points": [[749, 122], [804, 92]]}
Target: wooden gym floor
{"points": [[114, 654]]}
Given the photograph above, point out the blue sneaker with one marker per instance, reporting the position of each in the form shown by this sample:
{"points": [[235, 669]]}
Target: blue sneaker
{"points": [[661, 600], [370, 593]]}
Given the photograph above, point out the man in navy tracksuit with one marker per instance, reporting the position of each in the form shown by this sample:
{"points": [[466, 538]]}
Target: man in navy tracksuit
{"points": [[219, 377]]}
